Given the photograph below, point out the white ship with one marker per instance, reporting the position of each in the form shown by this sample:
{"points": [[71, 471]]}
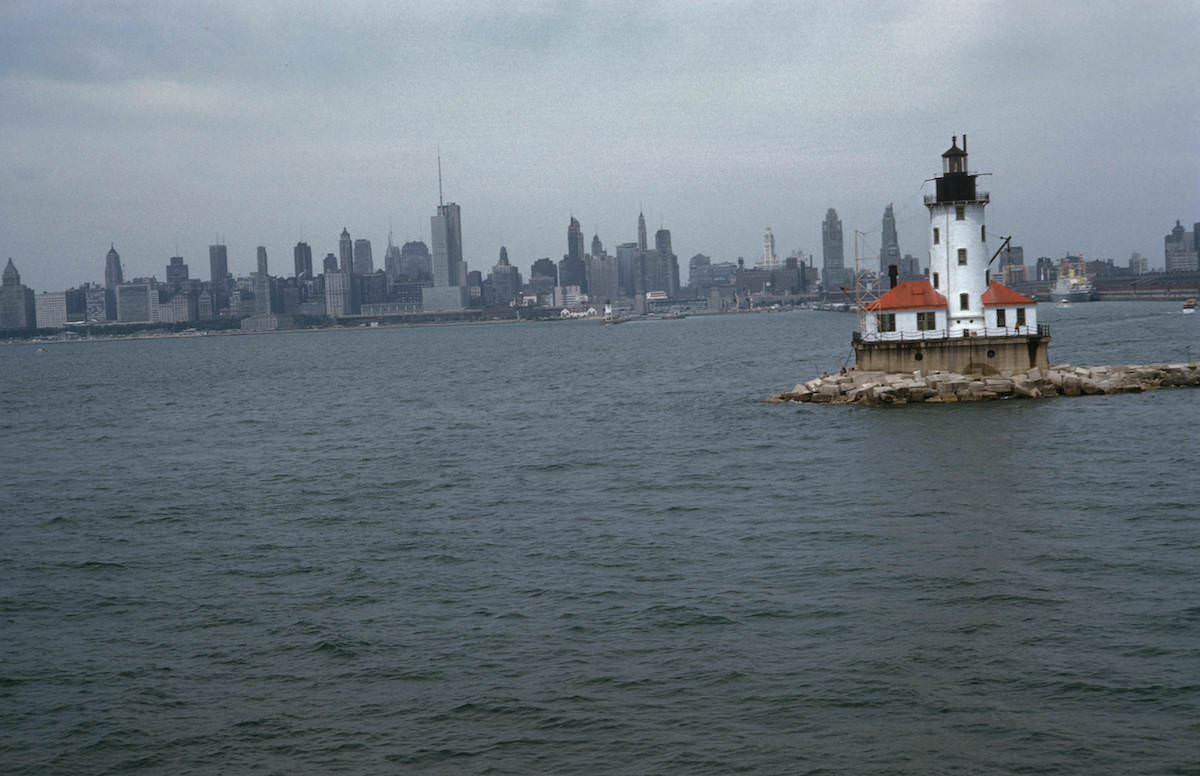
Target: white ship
{"points": [[1072, 286]]}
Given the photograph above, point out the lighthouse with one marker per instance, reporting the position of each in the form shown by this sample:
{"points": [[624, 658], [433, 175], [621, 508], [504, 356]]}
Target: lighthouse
{"points": [[957, 319], [958, 254]]}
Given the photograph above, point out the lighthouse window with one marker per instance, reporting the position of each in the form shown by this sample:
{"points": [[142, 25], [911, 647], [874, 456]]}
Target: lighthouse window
{"points": [[960, 213], [887, 321], [1001, 319], [926, 321], [935, 280], [1020, 316], [983, 232], [964, 301], [937, 236], [962, 255]]}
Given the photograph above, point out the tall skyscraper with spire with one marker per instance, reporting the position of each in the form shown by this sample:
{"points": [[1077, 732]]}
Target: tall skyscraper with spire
{"points": [[574, 240], [833, 269], [302, 255], [642, 244], [889, 244], [113, 276], [345, 251], [597, 246]]}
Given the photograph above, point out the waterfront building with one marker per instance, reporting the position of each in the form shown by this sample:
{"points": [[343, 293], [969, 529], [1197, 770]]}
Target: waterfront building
{"points": [[1138, 264], [446, 228], [602, 277], [833, 267], [364, 264], [302, 260], [889, 243], [769, 260], [50, 309], [17, 307], [96, 304], [627, 258], [137, 302], [339, 294], [959, 319], [1179, 250], [113, 276]]}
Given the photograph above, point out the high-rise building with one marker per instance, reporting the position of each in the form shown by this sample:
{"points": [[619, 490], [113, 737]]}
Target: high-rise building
{"points": [[627, 261], [574, 240], [504, 281], [339, 294], [889, 243], [416, 263], [641, 243], [1179, 250], [446, 229], [17, 307], [329, 264], [346, 252], [261, 263], [302, 257], [769, 260], [113, 276], [177, 272], [833, 268], [136, 302], [218, 265], [392, 266], [597, 246], [364, 264], [51, 309]]}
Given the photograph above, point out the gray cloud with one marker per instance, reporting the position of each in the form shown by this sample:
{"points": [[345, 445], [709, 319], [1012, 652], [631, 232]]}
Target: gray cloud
{"points": [[156, 125]]}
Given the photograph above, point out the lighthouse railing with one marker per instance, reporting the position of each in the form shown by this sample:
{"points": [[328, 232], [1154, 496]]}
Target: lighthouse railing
{"points": [[1041, 330]]}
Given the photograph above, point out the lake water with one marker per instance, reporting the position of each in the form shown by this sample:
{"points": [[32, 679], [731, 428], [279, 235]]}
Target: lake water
{"points": [[573, 548]]}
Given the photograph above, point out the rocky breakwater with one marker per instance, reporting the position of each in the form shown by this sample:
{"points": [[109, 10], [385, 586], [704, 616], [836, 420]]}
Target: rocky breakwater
{"points": [[863, 387]]}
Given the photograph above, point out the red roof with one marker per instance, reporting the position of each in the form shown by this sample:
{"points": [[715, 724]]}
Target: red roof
{"points": [[998, 295], [910, 295]]}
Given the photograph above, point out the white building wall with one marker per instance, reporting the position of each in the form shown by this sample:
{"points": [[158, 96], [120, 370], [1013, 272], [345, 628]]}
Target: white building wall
{"points": [[957, 279], [906, 326], [50, 309], [1010, 320]]}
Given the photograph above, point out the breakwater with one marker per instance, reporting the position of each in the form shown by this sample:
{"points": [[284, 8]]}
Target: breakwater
{"points": [[856, 386]]}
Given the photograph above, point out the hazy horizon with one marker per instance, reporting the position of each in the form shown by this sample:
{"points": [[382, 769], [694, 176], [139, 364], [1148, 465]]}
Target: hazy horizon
{"points": [[159, 127]]}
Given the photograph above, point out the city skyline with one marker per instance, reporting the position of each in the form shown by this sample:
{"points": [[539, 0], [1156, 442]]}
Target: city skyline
{"points": [[155, 128]]}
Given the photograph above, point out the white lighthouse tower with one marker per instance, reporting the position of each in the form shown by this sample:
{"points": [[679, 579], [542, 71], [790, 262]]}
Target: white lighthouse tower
{"points": [[958, 319], [958, 254]]}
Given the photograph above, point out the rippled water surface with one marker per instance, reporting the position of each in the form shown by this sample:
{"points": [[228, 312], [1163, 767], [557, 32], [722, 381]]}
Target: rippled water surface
{"points": [[573, 548]]}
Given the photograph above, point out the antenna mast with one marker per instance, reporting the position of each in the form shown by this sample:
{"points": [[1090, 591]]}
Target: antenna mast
{"points": [[440, 200]]}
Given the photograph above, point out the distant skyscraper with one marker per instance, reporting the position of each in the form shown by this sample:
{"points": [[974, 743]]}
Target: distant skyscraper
{"points": [[113, 276], [177, 272], [642, 244], [597, 246], [364, 264], [833, 270], [769, 259], [18, 310], [218, 264], [889, 243], [329, 264], [346, 251], [262, 260], [1179, 250], [574, 240], [446, 229], [415, 261], [302, 255]]}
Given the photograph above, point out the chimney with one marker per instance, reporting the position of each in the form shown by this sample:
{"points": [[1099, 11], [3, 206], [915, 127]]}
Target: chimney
{"points": [[893, 274]]}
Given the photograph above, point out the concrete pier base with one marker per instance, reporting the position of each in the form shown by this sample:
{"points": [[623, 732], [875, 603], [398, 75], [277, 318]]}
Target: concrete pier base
{"points": [[964, 355]]}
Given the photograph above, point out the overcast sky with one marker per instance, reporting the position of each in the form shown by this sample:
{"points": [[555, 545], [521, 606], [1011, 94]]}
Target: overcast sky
{"points": [[158, 126]]}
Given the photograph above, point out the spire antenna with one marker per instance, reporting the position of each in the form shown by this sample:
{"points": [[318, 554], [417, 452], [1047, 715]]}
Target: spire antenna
{"points": [[439, 155]]}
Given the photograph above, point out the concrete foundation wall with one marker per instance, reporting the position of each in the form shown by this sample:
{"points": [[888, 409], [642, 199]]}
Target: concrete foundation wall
{"points": [[965, 355]]}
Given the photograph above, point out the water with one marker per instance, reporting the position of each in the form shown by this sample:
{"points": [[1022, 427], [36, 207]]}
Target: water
{"points": [[574, 548]]}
